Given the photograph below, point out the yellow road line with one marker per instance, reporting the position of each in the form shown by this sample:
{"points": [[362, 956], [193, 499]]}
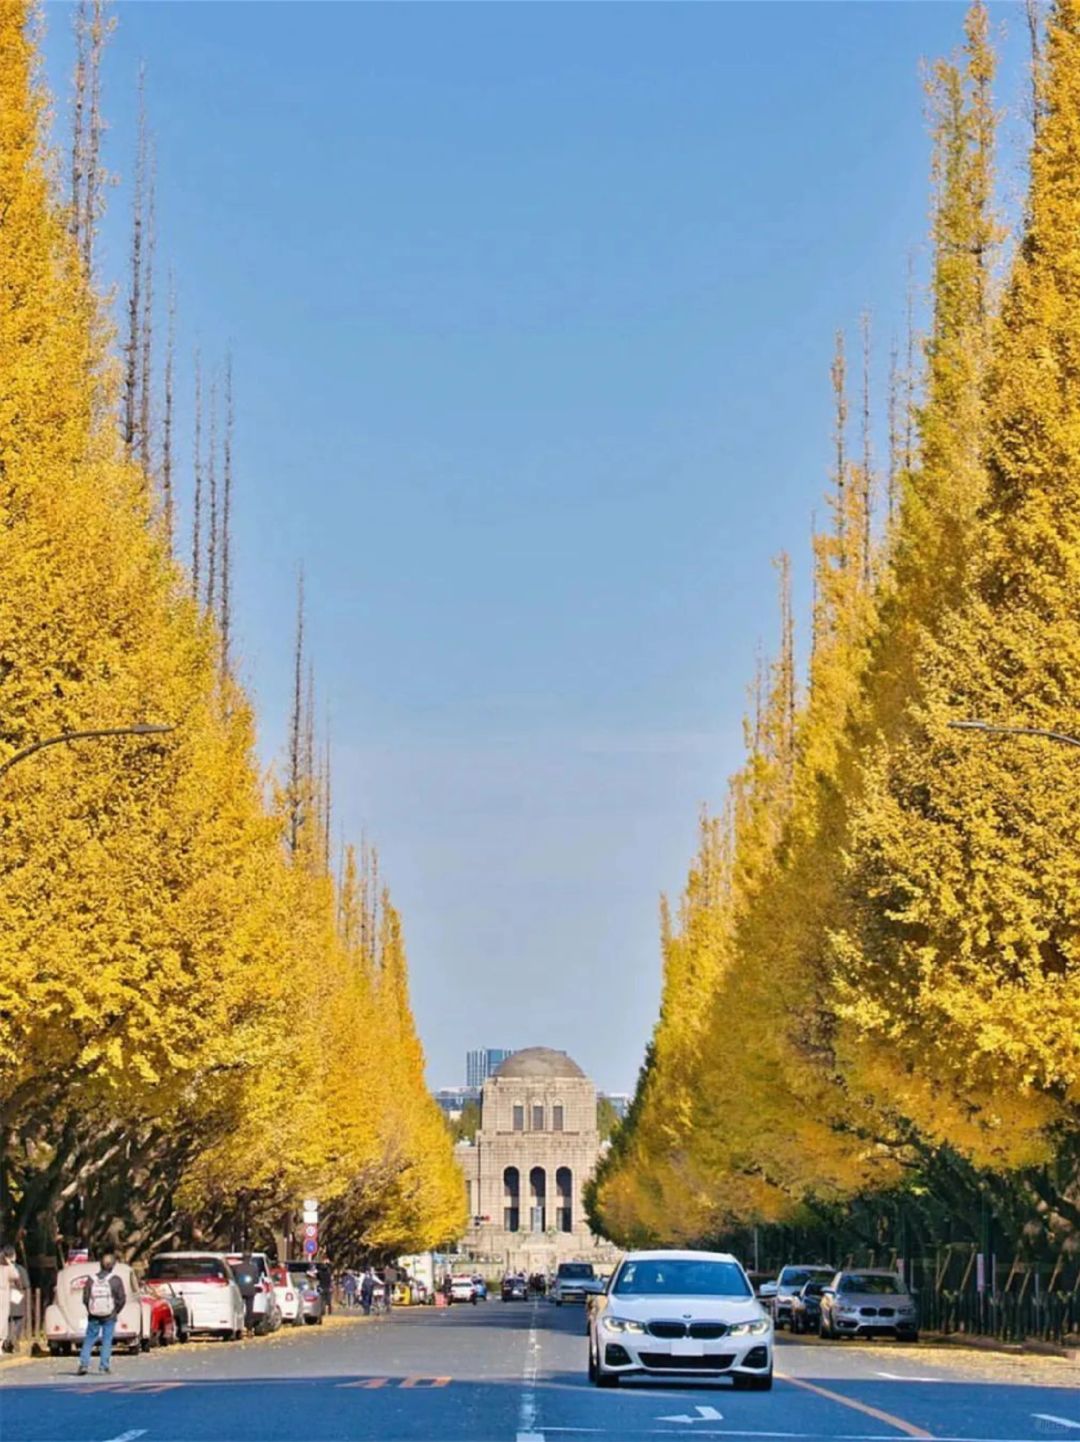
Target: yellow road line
{"points": [[875, 1412]]}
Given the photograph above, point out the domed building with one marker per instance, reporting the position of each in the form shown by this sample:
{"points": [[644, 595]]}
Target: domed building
{"points": [[536, 1146]]}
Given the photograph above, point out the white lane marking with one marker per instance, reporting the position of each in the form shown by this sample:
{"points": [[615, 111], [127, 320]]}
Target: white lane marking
{"points": [[129, 1436], [705, 1414], [903, 1377], [526, 1427], [1059, 1421]]}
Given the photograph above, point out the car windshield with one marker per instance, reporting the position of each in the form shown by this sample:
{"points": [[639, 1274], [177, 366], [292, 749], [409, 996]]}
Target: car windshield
{"points": [[868, 1282], [168, 1269], [813, 1289], [681, 1277], [799, 1276], [575, 1270]]}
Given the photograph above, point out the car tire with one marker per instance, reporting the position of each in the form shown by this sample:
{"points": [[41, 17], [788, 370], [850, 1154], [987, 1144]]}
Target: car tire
{"points": [[592, 1364], [908, 1337]]}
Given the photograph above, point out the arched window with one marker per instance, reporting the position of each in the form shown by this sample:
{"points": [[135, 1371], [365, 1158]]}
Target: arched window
{"points": [[558, 1116], [538, 1116], [537, 1200], [519, 1117], [564, 1200], [511, 1199]]}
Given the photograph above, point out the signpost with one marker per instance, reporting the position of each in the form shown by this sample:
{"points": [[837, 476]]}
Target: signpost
{"points": [[311, 1226]]}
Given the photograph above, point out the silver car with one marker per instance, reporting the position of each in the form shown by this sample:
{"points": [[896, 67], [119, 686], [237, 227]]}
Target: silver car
{"points": [[869, 1302]]}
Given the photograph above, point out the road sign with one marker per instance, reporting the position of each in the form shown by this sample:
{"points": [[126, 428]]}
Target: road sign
{"points": [[311, 1246], [311, 1232], [310, 1217], [311, 1204]]}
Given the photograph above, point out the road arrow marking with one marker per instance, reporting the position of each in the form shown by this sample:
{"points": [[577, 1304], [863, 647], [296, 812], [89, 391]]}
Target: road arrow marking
{"points": [[901, 1377], [705, 1414], [1061, 1421]]}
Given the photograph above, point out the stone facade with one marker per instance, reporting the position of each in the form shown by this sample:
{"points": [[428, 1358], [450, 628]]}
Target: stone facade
{"points": [[536, 1147]]}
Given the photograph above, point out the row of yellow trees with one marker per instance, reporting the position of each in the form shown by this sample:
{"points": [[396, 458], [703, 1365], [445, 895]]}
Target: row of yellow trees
{"points": [[199, 1025], [876, 959]]}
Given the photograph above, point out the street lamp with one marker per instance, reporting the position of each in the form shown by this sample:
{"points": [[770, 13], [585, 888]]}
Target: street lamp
{"points": [[996, 730], [141, 728]]}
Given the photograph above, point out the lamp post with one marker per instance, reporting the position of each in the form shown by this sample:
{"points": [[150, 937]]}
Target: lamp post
{"points": [[141, 728], [995, 730]]}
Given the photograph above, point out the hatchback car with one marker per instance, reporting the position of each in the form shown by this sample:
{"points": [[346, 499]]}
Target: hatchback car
{"points": [[680, 1314], [869, 1302], [793, 1279], [207, 1285]]}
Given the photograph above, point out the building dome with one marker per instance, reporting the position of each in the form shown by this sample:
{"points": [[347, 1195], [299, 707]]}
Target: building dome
{"points": [[538, 1061]]}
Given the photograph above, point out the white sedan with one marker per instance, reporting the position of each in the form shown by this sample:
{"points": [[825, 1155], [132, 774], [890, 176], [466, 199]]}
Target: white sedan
{"points": [[680, 1314]]}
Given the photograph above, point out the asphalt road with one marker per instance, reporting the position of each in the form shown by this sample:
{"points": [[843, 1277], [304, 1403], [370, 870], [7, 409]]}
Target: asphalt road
{"points": [[516, 1373]]}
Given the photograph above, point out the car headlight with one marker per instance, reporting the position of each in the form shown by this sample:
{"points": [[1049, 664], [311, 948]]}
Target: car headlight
{"points": [[747, 1329], [621, 1324]]}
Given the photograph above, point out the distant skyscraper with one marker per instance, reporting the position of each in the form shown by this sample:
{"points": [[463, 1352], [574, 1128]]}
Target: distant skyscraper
{"points": [[480, 1064]]}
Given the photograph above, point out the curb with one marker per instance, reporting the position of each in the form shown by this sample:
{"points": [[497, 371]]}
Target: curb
{"points": [[993, 1344]]}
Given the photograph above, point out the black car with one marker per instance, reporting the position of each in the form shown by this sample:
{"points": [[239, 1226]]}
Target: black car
{"points": [[514, 1289], [806, 1308]]}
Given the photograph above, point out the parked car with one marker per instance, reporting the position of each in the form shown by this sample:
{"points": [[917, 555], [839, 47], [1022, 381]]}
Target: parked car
{"points": [[287, 1292], [163, 1293], [206, 1283], [869, 1302], [793, 1279], [514, 1289], [252, 1273], [65, 1316], [574, 1281], [806, 1308], [312, 1300], [680, 1313]]}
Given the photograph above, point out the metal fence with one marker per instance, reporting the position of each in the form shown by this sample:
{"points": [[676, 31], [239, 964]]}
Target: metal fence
{"points": [[960, 1290]]}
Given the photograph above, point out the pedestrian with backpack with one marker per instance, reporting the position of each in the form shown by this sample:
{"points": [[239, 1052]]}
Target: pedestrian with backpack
{"points": [[104, 1298]]}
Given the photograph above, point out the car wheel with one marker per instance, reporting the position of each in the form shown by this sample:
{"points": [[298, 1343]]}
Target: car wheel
{"points": [[908, 1337], [592, 1364], [606, 1379], [558, 1301]]}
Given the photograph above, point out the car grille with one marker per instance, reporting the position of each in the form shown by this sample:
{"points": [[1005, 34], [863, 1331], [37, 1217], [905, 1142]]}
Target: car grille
{"points": [[662, 1362], [877, 1311], [704, 1331]]}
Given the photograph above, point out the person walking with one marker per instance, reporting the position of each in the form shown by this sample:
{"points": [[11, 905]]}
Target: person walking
{"points": [[367, 1291], [104, 1298], [348, 1289], [18, 1298]]}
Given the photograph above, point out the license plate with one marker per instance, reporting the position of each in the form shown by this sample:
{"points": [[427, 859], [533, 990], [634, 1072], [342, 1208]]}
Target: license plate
{"points": [[687, 1347]]}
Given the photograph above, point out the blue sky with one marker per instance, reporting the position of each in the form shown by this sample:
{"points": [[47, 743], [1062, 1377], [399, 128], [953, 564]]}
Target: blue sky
{"points": [[531, 309]]}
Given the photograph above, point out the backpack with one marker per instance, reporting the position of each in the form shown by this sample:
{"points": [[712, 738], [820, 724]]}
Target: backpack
{"points": [[101, 1302]]}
